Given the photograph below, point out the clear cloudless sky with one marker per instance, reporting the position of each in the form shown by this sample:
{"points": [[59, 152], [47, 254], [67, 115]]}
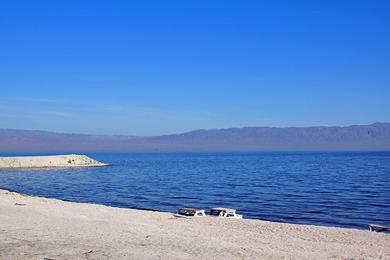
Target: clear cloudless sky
{"points": [[161, 67]]}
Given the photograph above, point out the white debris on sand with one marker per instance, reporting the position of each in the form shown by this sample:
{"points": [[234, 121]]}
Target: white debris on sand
{"points": [[41, 228], [71, 160]]}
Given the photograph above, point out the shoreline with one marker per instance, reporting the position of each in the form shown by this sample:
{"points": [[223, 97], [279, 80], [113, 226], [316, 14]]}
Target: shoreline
{"points": [[37, 227], [5, 189]]}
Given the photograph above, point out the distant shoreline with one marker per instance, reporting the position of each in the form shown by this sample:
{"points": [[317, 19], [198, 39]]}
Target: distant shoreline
{"points": [[373, 137], [29, 153]]}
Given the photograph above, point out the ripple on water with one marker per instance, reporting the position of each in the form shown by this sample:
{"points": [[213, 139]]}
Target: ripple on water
{"points": [[332, 189]]}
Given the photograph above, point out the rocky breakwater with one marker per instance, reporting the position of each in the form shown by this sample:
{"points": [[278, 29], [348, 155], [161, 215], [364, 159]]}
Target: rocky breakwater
{"points": [[54, 161]]}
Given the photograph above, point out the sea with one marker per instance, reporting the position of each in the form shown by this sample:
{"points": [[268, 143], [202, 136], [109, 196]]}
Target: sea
{"points": [[340, 189]]}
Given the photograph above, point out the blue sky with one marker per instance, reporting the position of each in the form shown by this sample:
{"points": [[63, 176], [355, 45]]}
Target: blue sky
{"points": [[160, 67]]}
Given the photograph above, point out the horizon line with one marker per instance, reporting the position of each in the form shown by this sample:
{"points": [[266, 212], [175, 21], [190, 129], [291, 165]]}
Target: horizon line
{"points": [[194, 130]]}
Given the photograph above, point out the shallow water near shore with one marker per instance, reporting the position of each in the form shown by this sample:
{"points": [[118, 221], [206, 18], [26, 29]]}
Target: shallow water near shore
{"points": [[330, 189]]}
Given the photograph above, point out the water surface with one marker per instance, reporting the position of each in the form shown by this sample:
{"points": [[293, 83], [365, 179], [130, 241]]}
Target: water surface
{"points": [[331, 189]]}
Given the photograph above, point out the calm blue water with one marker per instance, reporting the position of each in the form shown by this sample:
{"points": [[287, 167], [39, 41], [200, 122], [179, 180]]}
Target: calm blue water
{"points": [[331, 189]]}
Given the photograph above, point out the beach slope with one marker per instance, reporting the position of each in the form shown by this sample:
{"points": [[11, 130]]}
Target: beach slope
{"points": [[40, 228]]}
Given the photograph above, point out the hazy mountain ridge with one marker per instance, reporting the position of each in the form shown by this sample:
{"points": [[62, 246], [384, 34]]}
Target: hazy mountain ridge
{"points": [[357, 137]]}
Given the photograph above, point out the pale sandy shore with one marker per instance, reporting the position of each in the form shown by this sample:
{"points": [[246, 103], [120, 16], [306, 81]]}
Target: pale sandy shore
{"points": [[40, 228], [70, 160]]}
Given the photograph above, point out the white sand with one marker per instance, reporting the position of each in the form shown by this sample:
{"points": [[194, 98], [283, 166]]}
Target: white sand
{"points": [[71, 160], [40, 228]]}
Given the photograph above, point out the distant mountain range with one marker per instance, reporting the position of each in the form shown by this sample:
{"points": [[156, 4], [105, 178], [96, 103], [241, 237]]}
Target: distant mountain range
{"points": [[351, 138]]}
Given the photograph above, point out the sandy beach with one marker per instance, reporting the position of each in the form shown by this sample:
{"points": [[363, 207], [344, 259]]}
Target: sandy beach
{"points": [[41, 228]]}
